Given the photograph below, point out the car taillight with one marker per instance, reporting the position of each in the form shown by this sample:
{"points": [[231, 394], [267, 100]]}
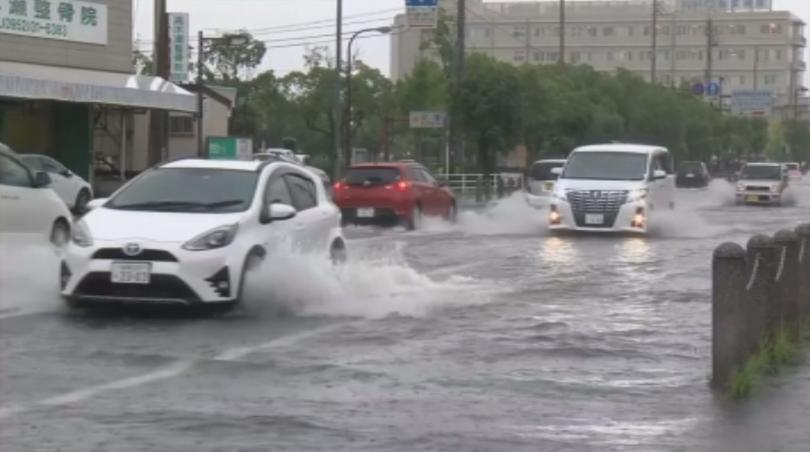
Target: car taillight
{"points": [[339, 186], [402, 186]]}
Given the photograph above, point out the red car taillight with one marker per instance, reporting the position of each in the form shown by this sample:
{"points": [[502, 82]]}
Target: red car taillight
{"points": [[339, 186], [399, 186]]}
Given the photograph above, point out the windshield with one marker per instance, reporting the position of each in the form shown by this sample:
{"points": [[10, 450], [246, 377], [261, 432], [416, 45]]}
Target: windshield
{"points": [[762, 172], [691, 167], [792, 166], [193, 190], [372, 176], [542, 170], [606, 166]]}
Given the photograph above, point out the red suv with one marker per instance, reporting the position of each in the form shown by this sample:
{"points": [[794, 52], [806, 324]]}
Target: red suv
{"points": [[392, 193]]}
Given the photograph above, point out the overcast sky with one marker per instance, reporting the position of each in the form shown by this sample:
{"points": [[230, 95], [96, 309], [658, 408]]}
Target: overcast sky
{"points": [[287, 24]]}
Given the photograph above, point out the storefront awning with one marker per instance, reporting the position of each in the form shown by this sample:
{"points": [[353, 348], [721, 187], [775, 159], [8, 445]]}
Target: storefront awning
{"points": [[32, 81]]}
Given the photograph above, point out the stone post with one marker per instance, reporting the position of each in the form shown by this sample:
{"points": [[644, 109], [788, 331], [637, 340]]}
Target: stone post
{"points": [[787, 281], [762, 313], [803, 235], [730, 327]]}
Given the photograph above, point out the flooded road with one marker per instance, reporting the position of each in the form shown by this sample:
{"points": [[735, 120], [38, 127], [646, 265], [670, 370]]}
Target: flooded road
{"points": [[488, 335]]}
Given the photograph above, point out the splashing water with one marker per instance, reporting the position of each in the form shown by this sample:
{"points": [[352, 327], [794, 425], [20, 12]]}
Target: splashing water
{"points": [[29, 275], [365, 286], [510, 215]]}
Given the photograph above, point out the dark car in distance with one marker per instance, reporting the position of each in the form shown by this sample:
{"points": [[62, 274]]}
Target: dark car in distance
{"points": [[693, 175]]}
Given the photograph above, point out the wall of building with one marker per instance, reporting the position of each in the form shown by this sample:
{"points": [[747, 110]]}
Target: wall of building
{"points": [[116, 56]]}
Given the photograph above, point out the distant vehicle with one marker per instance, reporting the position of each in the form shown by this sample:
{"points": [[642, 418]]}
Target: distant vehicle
{"points": [[27, 205], [794, 171], [73, 190], [761, 183], [540, 181], [189, 231], [693, 175], [613, 188], [286, 155], [396, 192]]}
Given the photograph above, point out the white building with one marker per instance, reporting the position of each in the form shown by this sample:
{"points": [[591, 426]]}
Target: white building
{"points": [[751, 48]]}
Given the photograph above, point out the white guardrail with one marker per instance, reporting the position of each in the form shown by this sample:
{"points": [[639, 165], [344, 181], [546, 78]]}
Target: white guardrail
{"points": [[468, 183]]}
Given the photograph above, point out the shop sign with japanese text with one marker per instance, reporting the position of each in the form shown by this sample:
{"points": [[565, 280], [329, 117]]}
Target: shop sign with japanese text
{"points": [[65, 20]]}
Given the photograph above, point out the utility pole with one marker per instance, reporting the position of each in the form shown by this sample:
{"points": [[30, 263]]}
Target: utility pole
{"points": [[456, 125], [562, 31], [158, 119], [654, 53], [201, 151], [709, 46], [756, 67], [337, 123]]}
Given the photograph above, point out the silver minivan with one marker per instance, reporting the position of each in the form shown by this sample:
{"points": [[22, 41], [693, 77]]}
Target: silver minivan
{"points": [[541, 180]]}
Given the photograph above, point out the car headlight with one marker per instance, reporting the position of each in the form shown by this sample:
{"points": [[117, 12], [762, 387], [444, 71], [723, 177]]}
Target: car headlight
{"points": [[81, 234], [215, 238], [774, 189], [559, 195], [740, 187], [638, 194]]}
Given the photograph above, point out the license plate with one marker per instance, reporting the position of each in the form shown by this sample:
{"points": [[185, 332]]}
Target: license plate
{"points": [[365, 213], [690, 176], [594, 218], [752, 198], [131, 273], [549, 186]]}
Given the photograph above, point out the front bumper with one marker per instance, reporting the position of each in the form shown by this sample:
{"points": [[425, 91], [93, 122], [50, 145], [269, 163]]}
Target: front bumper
{"points": [[758, 197], [177, 276], [623, 220]]}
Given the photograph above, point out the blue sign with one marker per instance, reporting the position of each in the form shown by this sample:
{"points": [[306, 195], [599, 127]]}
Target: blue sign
{"points": [[698, 89], [421, 2], [713, 89]]}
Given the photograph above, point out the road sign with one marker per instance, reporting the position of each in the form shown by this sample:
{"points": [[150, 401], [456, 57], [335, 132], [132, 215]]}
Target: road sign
{"points": [[180, 56], [698, 89], [751, 103], [713, 89], [230, 148], [428, 119], [422, 13]]}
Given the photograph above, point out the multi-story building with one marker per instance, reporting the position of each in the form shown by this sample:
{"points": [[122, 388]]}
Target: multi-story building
{"points": [[742, 49]]}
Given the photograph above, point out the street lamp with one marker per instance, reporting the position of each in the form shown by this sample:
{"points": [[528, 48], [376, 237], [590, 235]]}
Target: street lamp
{"points": [[230, 41], [347, 152]]}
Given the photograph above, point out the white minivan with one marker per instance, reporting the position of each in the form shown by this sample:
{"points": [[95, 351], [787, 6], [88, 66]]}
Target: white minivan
{"points": [[613, 188]]}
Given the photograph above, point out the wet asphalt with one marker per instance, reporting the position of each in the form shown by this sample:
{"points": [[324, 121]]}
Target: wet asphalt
{"points": [[488, 335]]}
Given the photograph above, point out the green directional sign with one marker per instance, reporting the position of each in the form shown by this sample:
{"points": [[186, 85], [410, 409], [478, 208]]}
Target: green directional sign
{"points": [[230, 148]]}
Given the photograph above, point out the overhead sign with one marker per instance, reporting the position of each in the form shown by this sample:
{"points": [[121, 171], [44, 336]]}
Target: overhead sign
{"points": [[727, 5], [751, 103], [422, 13], [64, 20], [180, 55], [698, 89], [428, 119], [230, 148], [713, 89]]}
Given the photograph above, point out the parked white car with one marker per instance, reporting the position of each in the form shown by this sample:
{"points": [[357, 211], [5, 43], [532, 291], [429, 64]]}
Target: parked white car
{"points": [[540, 181], [27, 205], [794, 171], [187, 232], [74, 191], [613, 188], [762, 183]]}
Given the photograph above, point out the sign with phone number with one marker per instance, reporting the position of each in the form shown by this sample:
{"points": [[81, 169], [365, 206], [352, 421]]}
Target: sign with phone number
{"points": [[66, 20]]}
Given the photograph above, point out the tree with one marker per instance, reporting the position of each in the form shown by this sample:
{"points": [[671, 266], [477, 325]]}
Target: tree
{"points": [[142, 63], [226, 61]]}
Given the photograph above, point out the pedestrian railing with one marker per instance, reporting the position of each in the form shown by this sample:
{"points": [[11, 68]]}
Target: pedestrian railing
{"points": [[760, 294], [470, 183]]}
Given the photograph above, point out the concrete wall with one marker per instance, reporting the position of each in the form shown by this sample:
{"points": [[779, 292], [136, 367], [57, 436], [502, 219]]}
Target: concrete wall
{"points": [[116, 56]]}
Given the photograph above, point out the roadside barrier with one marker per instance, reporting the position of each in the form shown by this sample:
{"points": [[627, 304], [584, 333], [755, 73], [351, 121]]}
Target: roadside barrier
{"points": [[758, 293]]}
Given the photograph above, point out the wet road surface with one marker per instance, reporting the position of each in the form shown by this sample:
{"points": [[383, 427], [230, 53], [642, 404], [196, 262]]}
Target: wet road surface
{"points": [[489, 335]]}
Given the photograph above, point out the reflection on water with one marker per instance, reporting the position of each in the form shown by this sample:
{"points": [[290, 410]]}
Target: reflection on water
{"points": [[635, 250], [555, 250]]}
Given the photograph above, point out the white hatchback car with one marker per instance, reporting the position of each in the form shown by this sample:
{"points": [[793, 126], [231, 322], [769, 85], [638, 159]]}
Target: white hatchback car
{"points": [[73, 190], [27, 205], [613, 188], [187, 232]]}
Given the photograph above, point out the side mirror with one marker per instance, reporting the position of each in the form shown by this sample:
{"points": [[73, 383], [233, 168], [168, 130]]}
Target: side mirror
{"points": [[96, 203], [66, 173], [278, 212], [659, 174], [42, 179], [558, 171]]}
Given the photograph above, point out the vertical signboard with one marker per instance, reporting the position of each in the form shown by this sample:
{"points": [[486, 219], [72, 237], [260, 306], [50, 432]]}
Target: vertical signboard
{"points": [[751, 103], [64, 20], [422, 13], [179, 55], [230, 148], [427, 119]]}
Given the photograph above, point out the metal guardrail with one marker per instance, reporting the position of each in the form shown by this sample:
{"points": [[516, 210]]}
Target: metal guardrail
{"points": [[468, 183]]}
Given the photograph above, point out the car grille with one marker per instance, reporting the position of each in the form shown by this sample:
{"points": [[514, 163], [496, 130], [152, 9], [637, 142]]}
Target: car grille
{"points": [[161, 287], [605, 202], [757, 188], [145, 255]]}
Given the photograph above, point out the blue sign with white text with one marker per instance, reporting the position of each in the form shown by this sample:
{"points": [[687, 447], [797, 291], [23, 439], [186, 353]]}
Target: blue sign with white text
{"points": [[421, 2], [713, 89]]}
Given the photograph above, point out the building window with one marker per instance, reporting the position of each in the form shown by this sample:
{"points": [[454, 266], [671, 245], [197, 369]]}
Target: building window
{"points": [[608, 31], [575, 57], [181, 125], [487, 32], [770, 79], [610, 56], [742, 80], [539, 31], [520, 56], [777, 54], [593, 32], [628, 55], [771, 29], [519, 32], [631, 30], [646, 30], [553, 56], [539, 56], [590, 56]]}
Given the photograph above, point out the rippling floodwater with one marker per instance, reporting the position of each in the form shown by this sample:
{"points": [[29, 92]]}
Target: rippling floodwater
{"points": [[489, 335]]}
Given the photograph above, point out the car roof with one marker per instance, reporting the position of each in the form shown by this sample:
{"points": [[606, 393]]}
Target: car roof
{"points": [[763, 164], [621, 147], [237, 165], [397, 165], [549, 161]]}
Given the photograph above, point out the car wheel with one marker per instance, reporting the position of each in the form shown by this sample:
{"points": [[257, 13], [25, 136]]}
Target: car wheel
{"points": [[80, 206], [337, 253], [414, 221], [252, 261], [60, 233]]}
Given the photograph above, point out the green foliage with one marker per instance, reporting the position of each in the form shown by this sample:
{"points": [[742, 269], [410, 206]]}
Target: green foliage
{"points": [[773, 355], [224, 60]]}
